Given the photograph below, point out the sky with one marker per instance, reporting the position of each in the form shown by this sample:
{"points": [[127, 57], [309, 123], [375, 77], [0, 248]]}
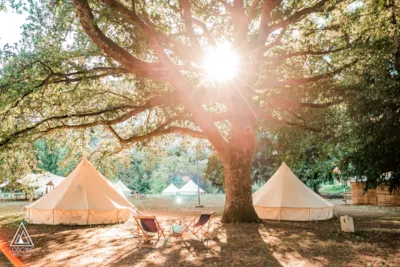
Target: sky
{"points": [[10, 29], [11, 22]]}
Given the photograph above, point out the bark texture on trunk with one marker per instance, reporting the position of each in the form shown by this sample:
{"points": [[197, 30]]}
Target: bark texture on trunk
{"points": [[239, 202]]}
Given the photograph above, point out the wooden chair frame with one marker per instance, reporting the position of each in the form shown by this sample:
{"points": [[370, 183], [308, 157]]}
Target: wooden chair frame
{"points": [[145, 235], [200, 227]]}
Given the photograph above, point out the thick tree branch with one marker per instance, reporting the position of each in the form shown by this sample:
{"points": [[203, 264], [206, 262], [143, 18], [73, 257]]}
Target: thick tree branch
{"points": [[265, 20], [200, 115], [318, 7], [112, 49], [215, 117], [239, 21], [226, 5], [128, 142], [264, 48], [252, 10], [287, 104], [187, 17], [304, 126], [134, 19], [299, 81], [305, 53], [57, 77], [206, 32], [304, 80], [156, 37], [129, 111]]}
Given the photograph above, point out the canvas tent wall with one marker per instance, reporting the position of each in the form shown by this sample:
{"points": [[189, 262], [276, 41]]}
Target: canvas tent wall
{"points": [[84, 197], [171, 190], [190, 188], [285, 197]]}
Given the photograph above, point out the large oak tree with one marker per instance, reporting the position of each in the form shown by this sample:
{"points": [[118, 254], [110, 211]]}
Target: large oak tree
{"points": [[137, 68]]}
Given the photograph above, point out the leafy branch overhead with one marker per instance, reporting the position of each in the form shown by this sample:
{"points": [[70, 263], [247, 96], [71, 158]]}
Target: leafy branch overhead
{"points": [[126, 57]]}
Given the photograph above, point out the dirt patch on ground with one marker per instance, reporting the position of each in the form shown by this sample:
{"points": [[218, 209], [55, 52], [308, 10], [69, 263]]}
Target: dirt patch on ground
{"points": [[271, 243]]}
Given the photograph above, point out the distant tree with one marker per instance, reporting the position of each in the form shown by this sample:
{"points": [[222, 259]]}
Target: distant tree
{"points": [[49, 156], [315, 173], [178, 181], [266, 159], [136, 176], [160, 178], [373, 138], [214, 171], [370, 133]]}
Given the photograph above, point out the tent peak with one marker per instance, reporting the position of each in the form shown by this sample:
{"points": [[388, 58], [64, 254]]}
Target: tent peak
{"points": [[284, 165]]}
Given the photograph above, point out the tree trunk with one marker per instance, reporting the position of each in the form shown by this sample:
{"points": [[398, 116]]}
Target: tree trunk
{"points": [[239, 202]]}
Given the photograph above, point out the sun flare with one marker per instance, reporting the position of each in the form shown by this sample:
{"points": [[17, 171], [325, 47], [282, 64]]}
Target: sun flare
{"points": [[221, 63]]}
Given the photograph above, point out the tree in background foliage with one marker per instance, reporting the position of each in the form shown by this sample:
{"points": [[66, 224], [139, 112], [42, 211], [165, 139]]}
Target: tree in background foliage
{"points": [[214, 171], [266, 159], [370, 131], [49, 156], [311, 156], [173, 167], [375, 152], [136, 176], [14, 166], [293, 57]]}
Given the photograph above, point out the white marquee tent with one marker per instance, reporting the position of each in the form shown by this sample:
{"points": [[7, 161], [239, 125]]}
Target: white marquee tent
{"points": [[171, 190], [190, 188], [84, 197], [285, 197]]}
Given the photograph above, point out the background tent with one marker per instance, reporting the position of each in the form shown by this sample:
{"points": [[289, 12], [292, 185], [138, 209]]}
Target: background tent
{"points": [[39, 183], [171, 190], [190, 188], [84, 197], [45, 182], [123, 188], [285, 197]]}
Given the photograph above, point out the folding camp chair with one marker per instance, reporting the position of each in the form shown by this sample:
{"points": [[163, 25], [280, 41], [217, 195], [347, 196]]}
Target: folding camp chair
{"points": [[204, 218], [149, 226]]}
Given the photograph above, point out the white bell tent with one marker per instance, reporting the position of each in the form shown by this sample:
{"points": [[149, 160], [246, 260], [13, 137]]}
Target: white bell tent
{"points": [[190, 188], [285, 197], [84, 197], [171, 190], [123, 188]]}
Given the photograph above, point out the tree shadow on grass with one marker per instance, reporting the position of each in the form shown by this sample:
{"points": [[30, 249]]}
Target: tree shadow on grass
{"points": [[266, 244], [68, 245], [324, 244], [234, 245], [243, 245]]}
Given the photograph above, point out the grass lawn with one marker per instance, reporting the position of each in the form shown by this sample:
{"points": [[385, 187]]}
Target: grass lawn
{"points": [[332, 189], [270, 243]]}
